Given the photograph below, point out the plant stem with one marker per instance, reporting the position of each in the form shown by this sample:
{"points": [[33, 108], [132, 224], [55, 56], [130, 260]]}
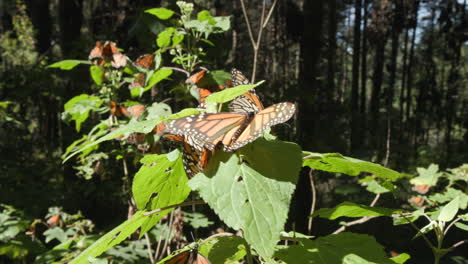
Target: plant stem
{"points": [[314, 198], [148, 244]]}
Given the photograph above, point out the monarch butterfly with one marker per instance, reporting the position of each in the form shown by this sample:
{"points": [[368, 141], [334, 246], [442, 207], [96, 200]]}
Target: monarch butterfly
{"points": [[108, 51], [202, 90], [232, 130], [189, 257], [194, 160], [145, 61], [249, 101]]}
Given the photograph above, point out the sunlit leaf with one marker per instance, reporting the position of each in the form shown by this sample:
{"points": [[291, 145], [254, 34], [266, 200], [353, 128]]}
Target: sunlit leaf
{"points": [[228, 94], [68, 64], [253, 197], [427, 176], [349, 209], [162, 13], [449, 211], [335, 162], [97, 73]]}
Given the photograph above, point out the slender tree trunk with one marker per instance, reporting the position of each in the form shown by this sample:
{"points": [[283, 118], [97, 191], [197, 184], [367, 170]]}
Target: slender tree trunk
{"points": [[364, 66], [377, 79], [409, 78], [331, 48], [392, 70], [40, 17], [403, 77], [70, 19], [355, 124]]}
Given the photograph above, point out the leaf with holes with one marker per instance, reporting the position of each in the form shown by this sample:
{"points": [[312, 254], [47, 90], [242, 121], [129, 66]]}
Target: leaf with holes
{"points": [[252, 194]]}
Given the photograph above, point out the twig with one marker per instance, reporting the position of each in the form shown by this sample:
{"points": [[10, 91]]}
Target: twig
{"points": [[218, 235], [451, 224], [156, 253], [314, 198], [376, 198], [177, 69], [173, 206], [247, 21], [459, 243], [269, 13], [419, 232], [355, 222], [310, 156], [166, 240], [148, 244]]}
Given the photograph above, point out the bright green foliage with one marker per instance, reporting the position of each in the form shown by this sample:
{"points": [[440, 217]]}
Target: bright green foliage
{"points": [[375, 187], [112, 238], [255, 197], [208, 24], [169, 37], [97, 73], [157, 76], [228, 249], [78, 108], [401, 220], [335, 162], [400, 259], [161, 177], [462, 226], [448, 212], [427, 176], [162, 13], [229, 94], [334, 249], [67, 65], [197, 220], [449, 195], [349, 209]]}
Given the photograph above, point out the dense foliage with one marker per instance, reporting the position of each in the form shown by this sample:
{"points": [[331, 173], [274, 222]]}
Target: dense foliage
{"points": [[79, 134]]}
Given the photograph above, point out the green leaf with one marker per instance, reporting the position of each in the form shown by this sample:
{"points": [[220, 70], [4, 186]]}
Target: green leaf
{"points": [[400, 220], [255, 197], [227, 95], [335, 162], [334, 249], [225, 249], [158, 76], [67, 64], [55, 233], [355, 259], [349, 209], [462, 226], [374, 187], [164, 38], [449, 211], [449, 195], [112, 238], [162, 13], [197, 220], [427, 176], [80, 106], [97, 73], [400, 259], [177, 37]]}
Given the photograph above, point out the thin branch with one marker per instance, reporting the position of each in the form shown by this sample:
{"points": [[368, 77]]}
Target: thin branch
{"points": [[156, 253], [451, 224], [257, 43], [314, 199], [166, 240], [459, 243], [247, 21], [310, 156], [173, 206], [376, 198], [218, 235], [355, 222], [148, 244], [419, 232], [177, 69], [269, 13]]}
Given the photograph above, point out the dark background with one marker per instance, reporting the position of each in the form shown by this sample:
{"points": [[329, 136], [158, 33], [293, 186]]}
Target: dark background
{"points": [[369, 77]]}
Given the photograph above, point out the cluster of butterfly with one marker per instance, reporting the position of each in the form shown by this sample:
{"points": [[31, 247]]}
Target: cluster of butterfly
{"points": [[246, 120], [199, 134]]}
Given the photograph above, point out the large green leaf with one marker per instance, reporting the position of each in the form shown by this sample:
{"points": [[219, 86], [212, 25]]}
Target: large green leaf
{"points": [[227, 95], [349, 209], [67, 64], [157, 76], [449, 211], [252, 194], [334, 249], [111, 239], [162, 177], [427, 176], [226, 249], [449, 195], [162, 13], [97, 73], [335, 162], [79, 107]]}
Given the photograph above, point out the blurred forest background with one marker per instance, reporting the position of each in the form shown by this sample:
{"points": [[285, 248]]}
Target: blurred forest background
{"points": [[380, 80]]}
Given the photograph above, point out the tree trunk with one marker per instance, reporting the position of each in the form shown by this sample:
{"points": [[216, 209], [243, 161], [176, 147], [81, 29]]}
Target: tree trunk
{"points": [[40, 17], [355, 124], [377, 78], [70, 19], [331, 49], [409, 77], [364, 66]]}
